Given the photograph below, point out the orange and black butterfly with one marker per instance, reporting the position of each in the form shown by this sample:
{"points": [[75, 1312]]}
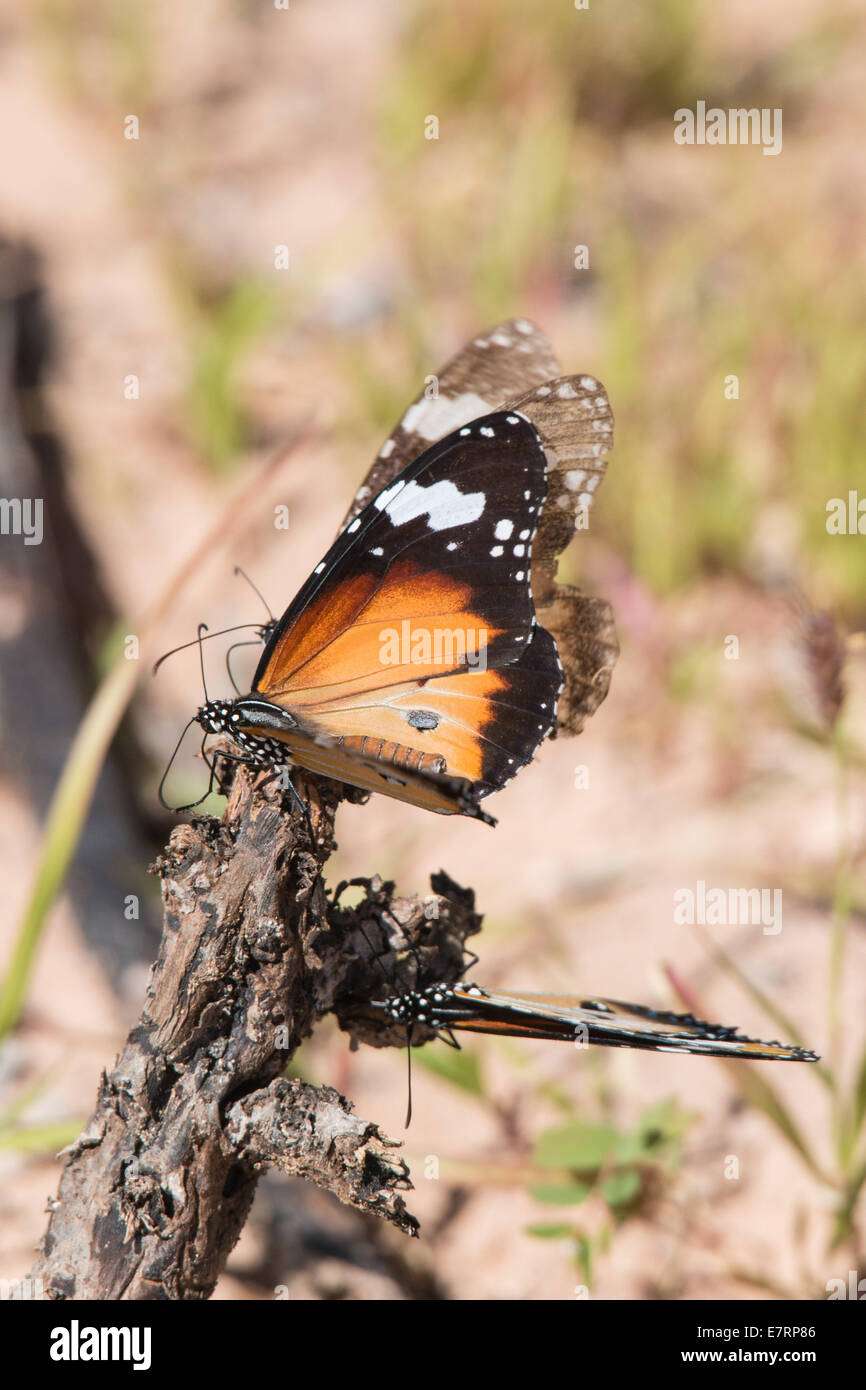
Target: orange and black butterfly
{"points": [[412, 661]]}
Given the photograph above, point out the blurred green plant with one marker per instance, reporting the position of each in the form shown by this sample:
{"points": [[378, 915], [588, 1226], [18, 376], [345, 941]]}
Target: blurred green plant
{"points": [[40, 1139], [461, 1069], [618, 1171], [623, 1170], [840, 1171], [222, 330]]}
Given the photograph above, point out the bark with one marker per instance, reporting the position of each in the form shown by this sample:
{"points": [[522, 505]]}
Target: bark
{"points": [[156, 1189]]}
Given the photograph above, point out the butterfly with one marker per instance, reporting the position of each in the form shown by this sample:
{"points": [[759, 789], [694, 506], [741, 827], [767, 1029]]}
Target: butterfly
{"points": [[411, 1015], [412, 661], [606, 1022]]}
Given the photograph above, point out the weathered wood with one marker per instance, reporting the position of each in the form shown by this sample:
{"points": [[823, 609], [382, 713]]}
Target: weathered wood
{"points": [[157, 1188]]}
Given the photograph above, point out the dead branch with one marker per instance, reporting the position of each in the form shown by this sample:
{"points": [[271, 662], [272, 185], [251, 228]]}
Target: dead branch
{"points": [[157, 1187]]}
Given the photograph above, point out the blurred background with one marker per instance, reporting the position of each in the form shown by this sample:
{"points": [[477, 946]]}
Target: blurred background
{"points": [[159, 355]]}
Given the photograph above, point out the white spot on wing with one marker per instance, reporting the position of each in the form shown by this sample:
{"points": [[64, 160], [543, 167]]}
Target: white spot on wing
{"points": [[387, 449], [385, 497], [442, 503], [497, 550], [503, 529], [433, 418]]}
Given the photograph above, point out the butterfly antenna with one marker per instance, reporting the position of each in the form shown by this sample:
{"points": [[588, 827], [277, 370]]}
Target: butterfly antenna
{"points": [[376, 956], [410, 945], [256, 590], [202, 627], [238, 627], [233, 648], [168, 770]]}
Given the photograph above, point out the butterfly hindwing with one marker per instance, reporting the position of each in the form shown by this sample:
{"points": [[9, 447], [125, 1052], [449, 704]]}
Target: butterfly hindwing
{"points": [[489, 372], [411, 775], [574, 421]]}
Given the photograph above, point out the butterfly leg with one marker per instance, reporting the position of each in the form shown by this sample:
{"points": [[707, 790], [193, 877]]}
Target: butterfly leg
{"points": [[473, 960], [287, 783], [276, 774], [192, 804], [281, 774]]}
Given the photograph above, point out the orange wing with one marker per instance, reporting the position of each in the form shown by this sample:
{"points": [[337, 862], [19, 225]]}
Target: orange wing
{"points": [[414, 643]]}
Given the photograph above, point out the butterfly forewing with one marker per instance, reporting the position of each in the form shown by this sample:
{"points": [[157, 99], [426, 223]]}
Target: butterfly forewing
{"points": [[603, 1022], [448, 542], [417, 629]]}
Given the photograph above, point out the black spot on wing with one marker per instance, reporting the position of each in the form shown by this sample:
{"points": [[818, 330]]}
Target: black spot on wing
{"points": [[423, 719]]}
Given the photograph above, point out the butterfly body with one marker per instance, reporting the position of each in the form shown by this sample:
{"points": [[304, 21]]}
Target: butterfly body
{"points": [[371, 765]]}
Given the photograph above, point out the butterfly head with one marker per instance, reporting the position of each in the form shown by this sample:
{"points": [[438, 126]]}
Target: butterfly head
{"points": [[218, 717], [233, 716], [418, 1005]]}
